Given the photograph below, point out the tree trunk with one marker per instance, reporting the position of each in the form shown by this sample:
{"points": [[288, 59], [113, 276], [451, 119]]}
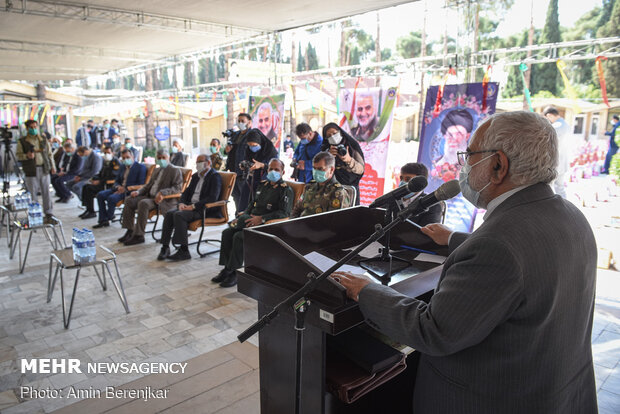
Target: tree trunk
{"points": [[149, 124], [378, 49], [476, 33], [343, 45], [530, 42], [293, 53]]}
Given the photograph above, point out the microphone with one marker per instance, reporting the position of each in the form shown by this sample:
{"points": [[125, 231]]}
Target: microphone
{"points": [[416, 184], [445, 192]]}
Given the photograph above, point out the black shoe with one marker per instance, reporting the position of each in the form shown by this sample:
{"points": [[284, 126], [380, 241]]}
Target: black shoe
{"points": [[102, 224], [59, 200], [134, 240], [224, 273], [89, 215], [180, 255], [85, 213], [64, 200], [230, 281], [164, 253], [126, 236]]}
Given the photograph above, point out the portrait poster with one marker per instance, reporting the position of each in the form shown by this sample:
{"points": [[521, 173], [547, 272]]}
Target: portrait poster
{"points": [[268, 115], [367, 116], [449, 123]]}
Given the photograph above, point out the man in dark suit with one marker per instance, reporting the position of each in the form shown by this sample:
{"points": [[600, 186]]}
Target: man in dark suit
{"points": [[508, 329], [131, 173], [205, 187], [70, 167]]}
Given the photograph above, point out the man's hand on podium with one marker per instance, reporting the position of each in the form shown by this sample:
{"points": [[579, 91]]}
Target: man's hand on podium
{"points": [[353, 283], [438, 232]]}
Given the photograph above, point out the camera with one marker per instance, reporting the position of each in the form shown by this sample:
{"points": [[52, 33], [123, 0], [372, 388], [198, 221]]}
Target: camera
{"points": [[341, 149], [6, 134], [245, 166], [294, 164], [228, 133]]}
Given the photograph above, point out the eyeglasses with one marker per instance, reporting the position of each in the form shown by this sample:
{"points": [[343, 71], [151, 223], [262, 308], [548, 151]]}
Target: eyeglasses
{"points": [[463, 156]]}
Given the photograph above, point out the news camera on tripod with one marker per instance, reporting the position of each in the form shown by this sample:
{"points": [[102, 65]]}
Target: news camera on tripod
{"points": [[8, 157], [35, 154]]}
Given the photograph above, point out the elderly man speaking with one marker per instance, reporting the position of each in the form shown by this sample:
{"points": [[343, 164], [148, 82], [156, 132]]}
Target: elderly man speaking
{"points": [[508, 329]]}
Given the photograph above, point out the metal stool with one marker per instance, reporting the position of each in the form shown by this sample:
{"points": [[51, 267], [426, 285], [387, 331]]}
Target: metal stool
{"points": [[8, 214], [56, 242], [64, 260]]}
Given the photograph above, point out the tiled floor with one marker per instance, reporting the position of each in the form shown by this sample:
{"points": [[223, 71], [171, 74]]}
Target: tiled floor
{"points": [[177, 314]]}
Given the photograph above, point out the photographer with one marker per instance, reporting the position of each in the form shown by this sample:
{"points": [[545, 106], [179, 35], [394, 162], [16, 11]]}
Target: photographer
{"points": [[309, 145], [349, 156], [258, 152], [235, 148], [35, 154]]}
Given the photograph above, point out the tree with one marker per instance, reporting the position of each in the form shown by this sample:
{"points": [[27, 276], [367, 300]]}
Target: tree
{"points": [[547, 77], [311, 57], [300, 60], [612, 66], [514, 83], [581, 71], [410, 46], [605, 14]]}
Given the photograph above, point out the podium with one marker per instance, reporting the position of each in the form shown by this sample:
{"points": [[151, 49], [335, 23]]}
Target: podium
{"points": [[275, 267]]}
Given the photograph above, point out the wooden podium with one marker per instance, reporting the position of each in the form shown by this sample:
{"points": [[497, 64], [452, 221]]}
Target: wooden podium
{"points": [[275, 267]]}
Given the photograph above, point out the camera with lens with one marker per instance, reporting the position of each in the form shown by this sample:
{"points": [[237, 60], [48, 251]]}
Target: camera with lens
{"points": [[228, 133], [6, 135], [245, 166], [294, 164], [341, 149]]}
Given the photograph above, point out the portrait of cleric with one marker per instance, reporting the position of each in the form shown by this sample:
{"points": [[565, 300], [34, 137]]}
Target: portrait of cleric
{"points": [[266, 117], [451, 137], [365, 116]]}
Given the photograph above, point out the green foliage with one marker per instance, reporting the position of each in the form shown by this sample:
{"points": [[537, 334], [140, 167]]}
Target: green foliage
{"points": [[608, 6], [514, 84], [612, 66], [301, 62], [544, 95], [313, 60], [547, 76], [410, 46]]}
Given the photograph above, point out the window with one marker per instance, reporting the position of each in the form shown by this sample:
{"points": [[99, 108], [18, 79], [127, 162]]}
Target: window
{"points": [[195, 137], [594, 127], [578, 128]]}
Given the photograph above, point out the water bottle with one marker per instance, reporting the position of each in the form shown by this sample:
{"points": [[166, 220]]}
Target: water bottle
{"points": [[74, 245], [31, 215], [17, 201], [38, 214], [28, 199], [90, 248]]}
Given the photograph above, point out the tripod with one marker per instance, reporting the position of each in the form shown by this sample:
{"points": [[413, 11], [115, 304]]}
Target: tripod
{"points": [[7, 158]]}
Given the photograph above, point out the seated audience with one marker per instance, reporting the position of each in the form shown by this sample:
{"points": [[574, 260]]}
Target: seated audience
{"points": [[273, 199], [129, 145], [92, 165], [57, 151], [109, 172], [204, 188], [434, 213], [70, 166], [178, 158], [131, 173], [166, 180], [323, 193]]}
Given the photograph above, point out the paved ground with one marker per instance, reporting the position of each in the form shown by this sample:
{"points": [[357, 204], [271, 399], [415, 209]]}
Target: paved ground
{"points": [[177, 315]]}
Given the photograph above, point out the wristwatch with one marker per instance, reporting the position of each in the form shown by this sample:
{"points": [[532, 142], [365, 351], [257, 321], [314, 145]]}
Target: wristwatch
{"points": [[262, 220]]}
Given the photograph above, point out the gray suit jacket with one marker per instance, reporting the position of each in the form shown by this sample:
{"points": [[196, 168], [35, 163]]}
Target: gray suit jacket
{"points": [[509, 327], [171, 182], [92, 166]]}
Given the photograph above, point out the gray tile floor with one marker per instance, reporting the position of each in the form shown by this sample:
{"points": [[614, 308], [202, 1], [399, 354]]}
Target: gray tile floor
{"points": [[178, 314]]}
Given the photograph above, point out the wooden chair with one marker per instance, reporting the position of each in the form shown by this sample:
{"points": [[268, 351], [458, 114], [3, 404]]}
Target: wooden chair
{"points": [[187, 177], [228, 183], [298, 190], [351, 195]]}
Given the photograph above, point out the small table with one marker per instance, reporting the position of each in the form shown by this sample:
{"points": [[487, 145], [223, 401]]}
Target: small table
{"points": [[64, 260], [56, 242], [8, 214]]}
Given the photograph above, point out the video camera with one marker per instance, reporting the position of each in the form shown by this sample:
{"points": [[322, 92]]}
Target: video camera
{"points": [[245, 166], [6, 135], [341, 149]]}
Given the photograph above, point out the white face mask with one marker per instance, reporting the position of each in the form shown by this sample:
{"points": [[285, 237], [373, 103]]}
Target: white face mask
{"points": [[201, 166], [242, 126], [469, 193], [108, 157], [335, 139]]}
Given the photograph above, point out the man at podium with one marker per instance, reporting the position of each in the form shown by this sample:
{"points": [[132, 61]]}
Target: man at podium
{"points": [[508, 329]]}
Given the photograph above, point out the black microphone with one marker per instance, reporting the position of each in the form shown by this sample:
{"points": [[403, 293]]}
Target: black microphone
{"points": [[445, 192], [415, 185]]}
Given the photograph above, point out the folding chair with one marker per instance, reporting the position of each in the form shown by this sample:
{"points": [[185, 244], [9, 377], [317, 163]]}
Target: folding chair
{"points": [[351, 195]]}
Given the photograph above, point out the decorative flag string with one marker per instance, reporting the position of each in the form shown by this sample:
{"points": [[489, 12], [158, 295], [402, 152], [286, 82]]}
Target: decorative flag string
{"points": [[212, 103], [485, 86], [601, 78], [176, 107], [224, 96], [571, 92], [340, 84], [437, 110], [526, 91]]}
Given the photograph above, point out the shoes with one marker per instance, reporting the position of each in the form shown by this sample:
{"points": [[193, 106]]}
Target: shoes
{"points": [[64, 200], [164, 253], [126, 236], [89, 215], [134, 240], [49, 219], [85, 213], [102, 224], [59, 200], [224, 273], [180, 255], [230, 281]]}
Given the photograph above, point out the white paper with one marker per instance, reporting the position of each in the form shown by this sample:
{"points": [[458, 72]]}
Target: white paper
{"points": [[324, 263], [371, 250], [433, 258]]}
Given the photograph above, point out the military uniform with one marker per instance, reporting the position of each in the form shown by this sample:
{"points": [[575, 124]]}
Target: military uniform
{"points": [[108, 172], [271, 201], [319, 198]]}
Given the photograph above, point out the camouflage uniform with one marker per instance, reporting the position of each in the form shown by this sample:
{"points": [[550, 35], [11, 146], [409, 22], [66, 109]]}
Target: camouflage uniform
{"points": [[319, 198]]}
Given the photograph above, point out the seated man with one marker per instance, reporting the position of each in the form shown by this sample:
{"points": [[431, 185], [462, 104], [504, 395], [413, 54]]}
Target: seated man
{"points": [[131, 173], [323, 193], [109, 172], [273, 200], [178, 158], [92, 165], [71, 165], [434, 213], [205, 187], [166, 180], [129, 146]]}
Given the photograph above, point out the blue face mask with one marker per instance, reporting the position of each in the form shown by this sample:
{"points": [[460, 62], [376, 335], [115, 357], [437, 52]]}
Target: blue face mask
{"points": [[274, 176], [127, 161], [319, 176], [255, 148], [128, 145], [162, 163], [303, 141], [469, 193], [69, 154], [55, 145], [33, 131], [175, 150]]}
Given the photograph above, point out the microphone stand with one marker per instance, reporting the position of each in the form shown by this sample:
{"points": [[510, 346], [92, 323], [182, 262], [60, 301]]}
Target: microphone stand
{"points": [[300, 303], [378, 263]]}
